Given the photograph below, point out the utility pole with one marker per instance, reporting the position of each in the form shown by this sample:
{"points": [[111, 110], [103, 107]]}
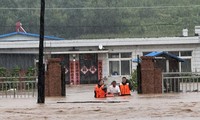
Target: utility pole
{"points": [[139, 81], [41, 77]]}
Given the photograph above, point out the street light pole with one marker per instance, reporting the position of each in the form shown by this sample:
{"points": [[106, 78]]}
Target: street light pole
{"points": [[41, 76]]}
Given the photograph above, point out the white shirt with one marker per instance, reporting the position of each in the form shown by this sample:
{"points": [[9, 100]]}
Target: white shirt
{"points": [[112, 89]]}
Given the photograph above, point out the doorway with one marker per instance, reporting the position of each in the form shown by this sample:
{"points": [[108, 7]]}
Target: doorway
{"points": [[88, 68]]}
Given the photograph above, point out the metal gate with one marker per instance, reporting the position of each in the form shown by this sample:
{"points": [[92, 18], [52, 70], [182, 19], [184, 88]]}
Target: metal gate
{"points": [[180, 82], [88, 68], [18, 89]]}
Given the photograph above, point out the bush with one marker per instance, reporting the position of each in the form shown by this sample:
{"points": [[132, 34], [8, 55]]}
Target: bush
{"points": [[2, 72], [133, 79], [30, 73]]}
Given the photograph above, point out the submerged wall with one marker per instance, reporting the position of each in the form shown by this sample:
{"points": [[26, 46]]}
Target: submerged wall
{"points": [[53, 78], [151, 76]]}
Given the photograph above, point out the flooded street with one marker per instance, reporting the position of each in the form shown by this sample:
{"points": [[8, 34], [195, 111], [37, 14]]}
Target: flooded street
{"points": [[183, 106]]}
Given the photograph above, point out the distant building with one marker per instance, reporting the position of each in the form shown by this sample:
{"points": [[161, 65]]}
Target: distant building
{"points": [[88, 60], [14, 55]]}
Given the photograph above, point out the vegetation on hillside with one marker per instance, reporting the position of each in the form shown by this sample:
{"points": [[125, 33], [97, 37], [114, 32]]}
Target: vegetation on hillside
{"points": [[75, 19]]}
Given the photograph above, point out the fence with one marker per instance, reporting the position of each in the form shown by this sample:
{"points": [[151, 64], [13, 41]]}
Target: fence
{"points": [[180, 82], [12, 87]]}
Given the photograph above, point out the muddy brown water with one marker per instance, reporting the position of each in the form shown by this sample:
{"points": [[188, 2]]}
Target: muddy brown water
{"points": [[179, 106]]}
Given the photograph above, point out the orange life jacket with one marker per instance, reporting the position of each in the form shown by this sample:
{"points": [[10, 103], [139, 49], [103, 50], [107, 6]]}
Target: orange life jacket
{"points": [[100, 93], [125, 90]]}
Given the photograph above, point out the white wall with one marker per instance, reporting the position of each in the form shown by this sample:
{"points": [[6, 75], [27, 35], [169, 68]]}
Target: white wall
{"points": [[134, 45], [138, 50], [196, 59]]}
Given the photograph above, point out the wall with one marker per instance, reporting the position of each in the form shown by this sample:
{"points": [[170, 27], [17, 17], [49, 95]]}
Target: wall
{"points": [[136, 46], [138, 50], [195, 59], [53, 78], [103, 57], [23, 61], [151, 76]]}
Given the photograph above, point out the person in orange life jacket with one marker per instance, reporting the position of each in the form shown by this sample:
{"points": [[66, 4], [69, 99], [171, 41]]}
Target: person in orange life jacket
{"points": [[113, 89], [125, 87], [100, 90]]}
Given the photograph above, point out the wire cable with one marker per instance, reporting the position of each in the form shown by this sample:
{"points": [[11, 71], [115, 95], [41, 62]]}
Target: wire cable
{"points": [[100, 8]]}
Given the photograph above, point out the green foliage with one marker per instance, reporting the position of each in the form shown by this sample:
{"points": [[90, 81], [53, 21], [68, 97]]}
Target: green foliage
{"points": [[30, 73], [14, 74], [15, 71], [118, 18], [133, 79], [2, 72]]}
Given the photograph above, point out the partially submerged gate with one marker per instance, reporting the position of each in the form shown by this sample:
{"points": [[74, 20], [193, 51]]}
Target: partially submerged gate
{"points": [[88, 68], [18, 83], [180, 82], [12, 87]]}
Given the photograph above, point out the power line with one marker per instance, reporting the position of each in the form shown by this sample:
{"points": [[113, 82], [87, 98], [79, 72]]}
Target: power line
{"points": [[100, 8]]}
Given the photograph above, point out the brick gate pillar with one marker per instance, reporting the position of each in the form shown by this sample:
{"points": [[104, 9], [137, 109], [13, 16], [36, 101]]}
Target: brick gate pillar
{"points": [[53, 78], [151, 76]]}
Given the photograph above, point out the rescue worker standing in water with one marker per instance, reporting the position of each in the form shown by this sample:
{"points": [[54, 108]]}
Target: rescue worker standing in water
{"points": [[125, 87], [100, 90]]}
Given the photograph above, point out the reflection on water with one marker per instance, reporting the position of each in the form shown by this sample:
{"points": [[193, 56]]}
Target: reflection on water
{"points": [[179, 106]]}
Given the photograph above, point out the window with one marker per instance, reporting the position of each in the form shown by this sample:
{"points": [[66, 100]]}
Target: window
{"points": [[174, 53], [113, 55], [114, 67], [169, 65], [125, 67], [186, 53], [125, 55], [186, 65], [120, 63]]}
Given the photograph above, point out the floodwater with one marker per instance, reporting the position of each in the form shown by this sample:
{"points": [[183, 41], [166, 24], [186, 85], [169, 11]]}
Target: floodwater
{"points": [[182, 106]]}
